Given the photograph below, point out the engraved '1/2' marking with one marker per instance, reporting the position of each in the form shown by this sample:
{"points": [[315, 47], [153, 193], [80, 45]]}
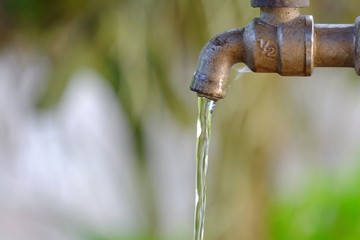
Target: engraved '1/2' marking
{"points": [[266, 48]]}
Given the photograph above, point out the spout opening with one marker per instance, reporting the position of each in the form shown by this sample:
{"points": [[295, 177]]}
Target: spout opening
{"points": [[211, 89]]}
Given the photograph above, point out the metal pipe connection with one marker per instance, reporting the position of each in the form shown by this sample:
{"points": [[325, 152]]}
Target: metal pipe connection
{"points": [[280, 41]]}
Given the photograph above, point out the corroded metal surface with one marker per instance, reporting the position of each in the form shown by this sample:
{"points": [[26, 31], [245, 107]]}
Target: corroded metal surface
{"points": [[280, 41], [216, 59], [334, 45], [357, 45], [279, 3]]}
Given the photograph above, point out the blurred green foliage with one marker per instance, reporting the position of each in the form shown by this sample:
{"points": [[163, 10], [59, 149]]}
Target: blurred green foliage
{"points": [[327, 208], [146, 50]]}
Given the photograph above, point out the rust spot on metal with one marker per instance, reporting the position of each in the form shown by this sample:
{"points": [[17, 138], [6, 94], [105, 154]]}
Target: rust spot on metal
{"points": [[219, 42]]}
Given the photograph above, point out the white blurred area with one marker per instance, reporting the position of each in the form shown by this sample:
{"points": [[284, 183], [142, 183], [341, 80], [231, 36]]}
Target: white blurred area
{"points": [[69, 170], [330, 101]]}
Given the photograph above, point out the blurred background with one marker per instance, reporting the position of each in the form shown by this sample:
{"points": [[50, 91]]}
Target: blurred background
{"points": [[97, 128]]}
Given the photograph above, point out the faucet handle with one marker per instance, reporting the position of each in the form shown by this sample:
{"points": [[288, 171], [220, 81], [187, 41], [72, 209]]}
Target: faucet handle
{"points": [[280, 3]]}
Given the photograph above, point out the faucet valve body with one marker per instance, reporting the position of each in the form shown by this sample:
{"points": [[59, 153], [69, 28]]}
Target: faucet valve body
{"points": [[286, 48], [280, 41]]}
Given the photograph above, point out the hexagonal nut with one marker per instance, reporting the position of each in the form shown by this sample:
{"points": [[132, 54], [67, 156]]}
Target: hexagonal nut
{"points": [[261, 46]]}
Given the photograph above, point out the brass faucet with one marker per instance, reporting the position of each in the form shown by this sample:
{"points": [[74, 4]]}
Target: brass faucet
{"points": [[281, 40]]}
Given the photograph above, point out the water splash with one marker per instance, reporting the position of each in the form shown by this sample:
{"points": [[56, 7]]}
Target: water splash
{"points": [[242, 68], [205, 110]]}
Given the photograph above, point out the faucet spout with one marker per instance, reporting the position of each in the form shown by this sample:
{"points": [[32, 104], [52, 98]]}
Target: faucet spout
{"points": [[280, 41], [216, 59]]}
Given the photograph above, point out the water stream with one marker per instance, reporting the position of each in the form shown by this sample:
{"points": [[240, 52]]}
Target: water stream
{"points": [[205, 109]]}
